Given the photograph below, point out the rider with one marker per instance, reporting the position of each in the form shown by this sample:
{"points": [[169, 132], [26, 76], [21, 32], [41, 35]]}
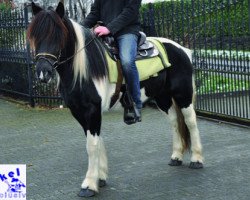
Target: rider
{"points": [[121, 19]]}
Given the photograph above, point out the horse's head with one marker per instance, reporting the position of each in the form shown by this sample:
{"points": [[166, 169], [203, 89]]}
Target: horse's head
{"points": [[47, 35]]}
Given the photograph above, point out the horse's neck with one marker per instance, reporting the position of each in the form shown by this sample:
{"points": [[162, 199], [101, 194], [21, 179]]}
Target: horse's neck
{"points": [[65, 70], [65, 75]]}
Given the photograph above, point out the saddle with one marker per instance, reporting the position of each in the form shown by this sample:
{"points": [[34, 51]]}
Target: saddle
{"points": [[150, 50], [146, 49], [150, 53]]}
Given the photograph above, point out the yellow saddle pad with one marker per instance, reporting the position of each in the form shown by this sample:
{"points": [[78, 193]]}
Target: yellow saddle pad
{"points": [[147, 67]]}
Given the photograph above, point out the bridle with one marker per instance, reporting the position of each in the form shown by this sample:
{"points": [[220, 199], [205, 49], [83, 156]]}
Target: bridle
{"points": [[46, 56], [56, 59]]}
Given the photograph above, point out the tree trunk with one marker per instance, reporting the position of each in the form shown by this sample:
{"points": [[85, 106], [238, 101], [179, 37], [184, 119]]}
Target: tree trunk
{"points": [[70, 9]]}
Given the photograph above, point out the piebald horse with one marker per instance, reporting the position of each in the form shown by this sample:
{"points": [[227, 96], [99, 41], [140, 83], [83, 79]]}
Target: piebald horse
{"points": [[78, 57]]}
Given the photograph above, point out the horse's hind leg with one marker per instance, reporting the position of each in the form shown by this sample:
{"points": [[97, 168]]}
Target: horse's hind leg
{"points": [[196, 148], [164, 102], [183, 97], [178, 147]]}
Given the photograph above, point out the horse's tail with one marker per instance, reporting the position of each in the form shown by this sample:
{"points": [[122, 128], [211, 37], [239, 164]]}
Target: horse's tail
{"points": [[182, 128]]}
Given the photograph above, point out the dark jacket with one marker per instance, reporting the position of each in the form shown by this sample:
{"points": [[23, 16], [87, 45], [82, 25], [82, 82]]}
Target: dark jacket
{"points": [[119, 16]]}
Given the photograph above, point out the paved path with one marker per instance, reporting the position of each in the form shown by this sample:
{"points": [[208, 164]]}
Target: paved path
{"points": [[52, 145]]}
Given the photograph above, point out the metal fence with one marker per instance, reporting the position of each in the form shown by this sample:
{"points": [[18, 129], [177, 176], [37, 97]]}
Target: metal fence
{"points": [[217, 31], [16, 64]]}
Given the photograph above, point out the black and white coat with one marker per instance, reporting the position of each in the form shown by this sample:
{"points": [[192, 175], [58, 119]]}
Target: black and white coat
{"points": [[86, 89]]}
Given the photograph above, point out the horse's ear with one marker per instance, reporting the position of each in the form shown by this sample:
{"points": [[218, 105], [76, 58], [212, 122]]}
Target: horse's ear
{"points": [[35, 9], [60, 9]]}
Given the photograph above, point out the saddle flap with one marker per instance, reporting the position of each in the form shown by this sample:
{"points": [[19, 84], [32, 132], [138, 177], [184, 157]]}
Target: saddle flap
{"points": [[145, 45], [147, 53]]}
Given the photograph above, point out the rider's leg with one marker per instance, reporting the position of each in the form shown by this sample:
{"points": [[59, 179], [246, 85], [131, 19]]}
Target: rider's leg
{"points": [[127, 50]]}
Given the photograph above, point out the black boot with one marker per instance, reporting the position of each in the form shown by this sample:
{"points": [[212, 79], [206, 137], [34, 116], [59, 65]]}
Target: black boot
{"points": [[129, 116], [131, 113]]}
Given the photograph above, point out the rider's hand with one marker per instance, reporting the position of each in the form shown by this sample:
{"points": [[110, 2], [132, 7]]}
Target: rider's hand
{"points": [[101, 30]]}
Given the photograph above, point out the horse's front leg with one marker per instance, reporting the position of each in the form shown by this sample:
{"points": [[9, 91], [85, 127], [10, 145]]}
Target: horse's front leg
{"points": [[97, 160], [103, 164], [90, 183], [97, 166]]}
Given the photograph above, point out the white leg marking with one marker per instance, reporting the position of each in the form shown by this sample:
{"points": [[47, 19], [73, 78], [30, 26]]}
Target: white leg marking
{"points": [[177, 144], [41, 75], [103, 164], [93, 149], [190, 120]]}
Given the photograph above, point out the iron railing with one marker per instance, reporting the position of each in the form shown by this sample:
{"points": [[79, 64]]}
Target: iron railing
{"points": [[17, 77], [217, 32]]}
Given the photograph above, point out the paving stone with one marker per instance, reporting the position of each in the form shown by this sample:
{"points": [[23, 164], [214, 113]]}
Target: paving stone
{"points": [[52, 144]]}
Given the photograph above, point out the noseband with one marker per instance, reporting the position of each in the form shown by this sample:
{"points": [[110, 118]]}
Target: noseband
{"points": [[46, 56]]}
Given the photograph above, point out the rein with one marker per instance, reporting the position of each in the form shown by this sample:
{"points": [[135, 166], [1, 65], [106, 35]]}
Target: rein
{"points": [[69, 58], [56, 64]]}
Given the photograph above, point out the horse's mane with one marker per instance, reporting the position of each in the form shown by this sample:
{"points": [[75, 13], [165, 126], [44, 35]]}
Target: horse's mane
{"points": [[46, 26], [89, 59], [80, 64]]}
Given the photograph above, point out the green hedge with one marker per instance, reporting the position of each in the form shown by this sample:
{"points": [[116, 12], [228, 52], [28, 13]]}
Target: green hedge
{"points": [[212, 82], [209, 17], [12, 28], [5, 7], [5, 10]]}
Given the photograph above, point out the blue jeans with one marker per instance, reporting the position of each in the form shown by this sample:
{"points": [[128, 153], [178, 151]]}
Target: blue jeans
{"points": [[127, 44]]}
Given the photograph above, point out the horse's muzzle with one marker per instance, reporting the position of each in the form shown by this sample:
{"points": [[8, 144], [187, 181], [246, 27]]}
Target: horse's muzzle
{"points": [[44, 77]]}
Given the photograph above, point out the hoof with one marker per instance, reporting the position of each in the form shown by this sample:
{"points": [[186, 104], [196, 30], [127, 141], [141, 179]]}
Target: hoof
{"points": [[86, 192], [102, 183], [196, 165], [175, 162]]}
